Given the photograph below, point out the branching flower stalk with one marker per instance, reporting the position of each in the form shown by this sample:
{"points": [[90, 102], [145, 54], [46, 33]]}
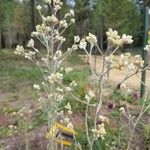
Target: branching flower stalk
{"points": [[124, 62], [50, 34]]}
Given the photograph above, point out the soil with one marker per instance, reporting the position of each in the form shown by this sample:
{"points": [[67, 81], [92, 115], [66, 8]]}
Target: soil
{"points": [[116, 76]]}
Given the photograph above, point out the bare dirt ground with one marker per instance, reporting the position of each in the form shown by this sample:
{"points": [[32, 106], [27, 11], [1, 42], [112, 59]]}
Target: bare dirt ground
{"points": [[116, 76]]}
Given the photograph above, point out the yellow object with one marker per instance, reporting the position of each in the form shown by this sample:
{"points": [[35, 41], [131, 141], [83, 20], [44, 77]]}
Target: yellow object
{"points": [[57, 129]]}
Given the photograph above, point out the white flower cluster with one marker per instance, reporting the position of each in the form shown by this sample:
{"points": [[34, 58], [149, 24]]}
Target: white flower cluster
{"points": [[83, 44], [147, 48], [51, 19], [57, 55], [12, 129], [37, 87], [69, 69], [42, 29], [60, 38], [76, 39], [57, 77], [73, 84], [66, 117], [89, 96], [99, 132], [30, 43], [122, 109], [19, 50], [29, 55], [39, 7], [115, 39], [125, 61], [103, 119], [139, 62], [123, 86], [68, 107], [91, 38]]}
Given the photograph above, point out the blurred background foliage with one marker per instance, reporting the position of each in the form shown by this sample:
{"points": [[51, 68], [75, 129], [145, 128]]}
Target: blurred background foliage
{"points": [[18, 19]]}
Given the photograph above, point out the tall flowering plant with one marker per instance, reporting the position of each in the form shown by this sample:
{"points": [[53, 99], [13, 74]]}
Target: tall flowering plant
{"points": [[98, 131], [50, 34]]}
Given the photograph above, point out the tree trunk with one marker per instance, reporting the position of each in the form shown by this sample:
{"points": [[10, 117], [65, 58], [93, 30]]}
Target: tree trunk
{"points": [[32, 4], [0, 37], [10, 34]]}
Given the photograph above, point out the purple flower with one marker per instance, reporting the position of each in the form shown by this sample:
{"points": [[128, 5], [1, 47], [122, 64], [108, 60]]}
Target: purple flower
{"points": [[135, 95], [110, 105]]}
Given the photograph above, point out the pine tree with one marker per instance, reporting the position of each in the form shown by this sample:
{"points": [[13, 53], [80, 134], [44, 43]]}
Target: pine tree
{"points": [[82, 15], [122, 15]]}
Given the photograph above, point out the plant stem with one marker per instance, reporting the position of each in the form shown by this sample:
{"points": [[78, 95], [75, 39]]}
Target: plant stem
{"points": [[26, 135]]}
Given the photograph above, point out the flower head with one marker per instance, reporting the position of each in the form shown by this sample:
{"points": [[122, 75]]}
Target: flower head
{"points": [[39, 7], [92, 39], [19, 50], [83, 44], [135, 95], [37, 87], [76, 39], [30, 43], [127, 39]]}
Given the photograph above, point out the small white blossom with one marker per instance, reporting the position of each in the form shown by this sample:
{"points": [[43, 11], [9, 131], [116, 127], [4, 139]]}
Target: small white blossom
{"points": [[69, 69], [19, 50], [73, 20], [147, 48], [60, 38], [72, 13], [68, 106], [127, 39], [55, 77], [70, 125], [73, 83], [39, 7], [123, 86], [100, 131], [37, 87], [59, 90], [75, 47], [43, 28], [76, 39], [122, 109], [83, 44], [29, 55], [68, 89], [67, 120], [34, 34], [68, 49], [131, 66], [69, 112], [57, 7], [52, 19], [64, 23], [30, 43], [92, 39], [91, 94]]}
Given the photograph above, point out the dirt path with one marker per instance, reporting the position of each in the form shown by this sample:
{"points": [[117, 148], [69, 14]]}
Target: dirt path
{"points": [[116, 76]]}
